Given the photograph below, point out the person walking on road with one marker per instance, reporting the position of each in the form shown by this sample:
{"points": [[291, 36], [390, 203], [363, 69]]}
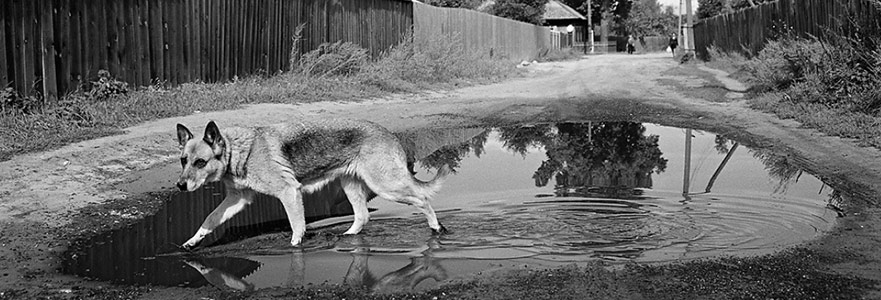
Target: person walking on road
{"points": [[630, 44], [674, 42]]}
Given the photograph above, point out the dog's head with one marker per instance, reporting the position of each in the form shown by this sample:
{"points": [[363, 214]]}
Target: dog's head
{"points": [[202, 159]]}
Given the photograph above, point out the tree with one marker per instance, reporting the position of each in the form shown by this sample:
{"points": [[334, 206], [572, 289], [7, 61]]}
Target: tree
{"points": [[709, 8], [646, 18], [741, 4], [469, 4], [614, 10], [530, 11]]}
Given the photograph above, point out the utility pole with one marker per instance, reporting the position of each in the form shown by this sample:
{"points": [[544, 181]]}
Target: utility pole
{"points": [[590, 24], [681, 31], [689, 29]]}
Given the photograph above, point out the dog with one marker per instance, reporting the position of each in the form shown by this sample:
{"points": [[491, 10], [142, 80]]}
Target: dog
{"points": [[290, 159]]}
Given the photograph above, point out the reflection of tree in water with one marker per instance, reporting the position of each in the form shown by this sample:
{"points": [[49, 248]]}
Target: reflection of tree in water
{"points": [[452, 154], [779, 167], [613, 156]]}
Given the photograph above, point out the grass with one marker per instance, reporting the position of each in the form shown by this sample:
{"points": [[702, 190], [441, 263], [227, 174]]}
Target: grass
{"points": [[334, 72], [832, 83]]}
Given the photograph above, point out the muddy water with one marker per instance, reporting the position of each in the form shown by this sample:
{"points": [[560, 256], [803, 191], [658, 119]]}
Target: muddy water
{"points": [[535, 196]]}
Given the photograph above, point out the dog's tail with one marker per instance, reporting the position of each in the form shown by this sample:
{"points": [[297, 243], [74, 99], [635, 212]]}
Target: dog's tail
{"points": [[429, 188]]}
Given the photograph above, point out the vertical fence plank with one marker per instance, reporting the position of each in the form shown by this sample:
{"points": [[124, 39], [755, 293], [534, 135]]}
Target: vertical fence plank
{"points": [[112, 14], [143, 51], [129, 57], [5, 69], [47, 50], [157, 42], [62, 35], [30, 40], [78, 40]]}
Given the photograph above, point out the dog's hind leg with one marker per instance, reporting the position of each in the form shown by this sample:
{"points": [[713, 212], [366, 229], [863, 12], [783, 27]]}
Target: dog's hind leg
{"points": [[292, 200], [426, 209], [235, 201], [356, 192], [407, 196]]}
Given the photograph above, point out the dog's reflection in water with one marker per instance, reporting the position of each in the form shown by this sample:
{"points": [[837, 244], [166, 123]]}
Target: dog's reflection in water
{"points": [[404, 279], [358, 274], [220, 278]]}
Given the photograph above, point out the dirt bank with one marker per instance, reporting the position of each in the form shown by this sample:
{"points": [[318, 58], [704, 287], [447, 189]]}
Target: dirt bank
{"points": [[47, 199]]}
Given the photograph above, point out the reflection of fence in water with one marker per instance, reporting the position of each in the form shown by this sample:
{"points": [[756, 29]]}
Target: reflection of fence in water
{"points": [[120, 255]]}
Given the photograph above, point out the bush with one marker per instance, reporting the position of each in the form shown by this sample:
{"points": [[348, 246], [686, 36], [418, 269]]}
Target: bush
{"points": [[782, 63], [838, 72]]}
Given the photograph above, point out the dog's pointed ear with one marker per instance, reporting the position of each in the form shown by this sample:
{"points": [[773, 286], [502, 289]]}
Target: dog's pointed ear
{"points": [[212, 136], [183, 134]]}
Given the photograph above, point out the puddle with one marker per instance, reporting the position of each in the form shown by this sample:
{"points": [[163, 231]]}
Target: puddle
{"points": [[536, 196]]}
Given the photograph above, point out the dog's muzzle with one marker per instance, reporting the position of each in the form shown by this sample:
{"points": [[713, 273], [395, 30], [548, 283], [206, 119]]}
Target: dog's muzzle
{"points": [[182, 185]]}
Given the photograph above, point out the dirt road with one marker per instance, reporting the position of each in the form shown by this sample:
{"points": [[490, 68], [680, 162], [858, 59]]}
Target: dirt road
{"points": [[48, 198]]}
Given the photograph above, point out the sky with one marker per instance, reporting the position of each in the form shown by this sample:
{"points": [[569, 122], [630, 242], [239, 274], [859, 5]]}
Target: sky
{"points": [[675, 4]]}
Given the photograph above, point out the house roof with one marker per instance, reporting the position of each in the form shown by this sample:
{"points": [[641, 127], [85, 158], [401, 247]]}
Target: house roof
{"points": [[556, 10]]}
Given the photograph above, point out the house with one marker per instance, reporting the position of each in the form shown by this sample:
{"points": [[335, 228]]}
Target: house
{"points": [[560, 16]]}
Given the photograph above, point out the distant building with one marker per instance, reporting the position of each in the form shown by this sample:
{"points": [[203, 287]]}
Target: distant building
{"points": [[560, 15]]}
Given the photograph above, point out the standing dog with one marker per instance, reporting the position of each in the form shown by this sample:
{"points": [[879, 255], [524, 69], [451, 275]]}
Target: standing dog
{"points": [[287, 160]]}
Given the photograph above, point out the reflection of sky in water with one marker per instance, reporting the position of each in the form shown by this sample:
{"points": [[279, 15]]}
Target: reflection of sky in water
{"points": [[492, 202]]}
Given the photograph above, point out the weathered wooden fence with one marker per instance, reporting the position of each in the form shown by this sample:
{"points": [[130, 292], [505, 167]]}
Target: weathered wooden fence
{"points": [[748, 30], [480, 31], [51, 46]]}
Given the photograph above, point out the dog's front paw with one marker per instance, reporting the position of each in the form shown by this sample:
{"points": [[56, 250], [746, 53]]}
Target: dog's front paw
{"points": [[295, 242], [191, 244], [440, 231]]}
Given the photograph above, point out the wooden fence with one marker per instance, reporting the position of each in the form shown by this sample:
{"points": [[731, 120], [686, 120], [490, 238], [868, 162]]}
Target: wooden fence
{"points": [[480, 31], [748, 30], [51, 46]]}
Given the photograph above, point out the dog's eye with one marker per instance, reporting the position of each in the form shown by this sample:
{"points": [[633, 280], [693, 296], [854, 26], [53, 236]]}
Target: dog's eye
{"points": [[200, 163], [183, 161]]}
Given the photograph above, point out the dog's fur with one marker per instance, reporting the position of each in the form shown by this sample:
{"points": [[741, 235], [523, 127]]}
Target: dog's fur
{"points": [[287, 160]]}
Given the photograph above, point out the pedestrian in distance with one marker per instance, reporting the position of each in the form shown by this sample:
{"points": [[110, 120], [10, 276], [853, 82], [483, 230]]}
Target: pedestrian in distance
{"points": [[674, 42], [630, 44]]}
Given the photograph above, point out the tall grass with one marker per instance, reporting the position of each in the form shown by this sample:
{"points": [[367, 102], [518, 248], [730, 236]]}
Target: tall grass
{"points": [[337, 71], [832, 83]]}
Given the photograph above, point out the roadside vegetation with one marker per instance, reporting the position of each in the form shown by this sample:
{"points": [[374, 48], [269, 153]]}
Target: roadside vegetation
{"points": [[333, 72], [831, 83]]}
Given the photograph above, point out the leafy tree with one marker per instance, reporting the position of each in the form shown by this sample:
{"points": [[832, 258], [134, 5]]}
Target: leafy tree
{"points": [[530, 11], [469, 4], [647, 18], [741, 4], [613, 11], [710, 8], [581, 7]]}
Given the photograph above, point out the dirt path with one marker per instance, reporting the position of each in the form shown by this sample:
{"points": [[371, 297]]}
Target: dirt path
{"points": [[41, 193]]}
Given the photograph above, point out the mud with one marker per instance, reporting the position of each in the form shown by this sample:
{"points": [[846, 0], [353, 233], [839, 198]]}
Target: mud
{"points": [[52, 198]]}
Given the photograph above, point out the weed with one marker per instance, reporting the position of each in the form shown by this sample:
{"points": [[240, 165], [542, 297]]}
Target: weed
{"points": [[12, 102], [438, 60], [333, 59]]}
